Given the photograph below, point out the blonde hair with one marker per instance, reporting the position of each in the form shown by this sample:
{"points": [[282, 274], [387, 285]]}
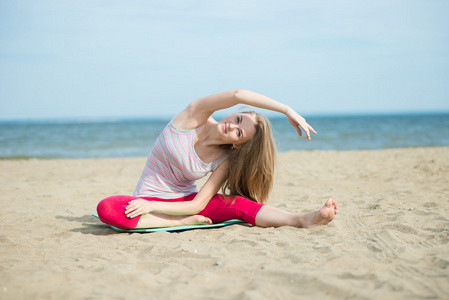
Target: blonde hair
{"points": [[251, 171]]}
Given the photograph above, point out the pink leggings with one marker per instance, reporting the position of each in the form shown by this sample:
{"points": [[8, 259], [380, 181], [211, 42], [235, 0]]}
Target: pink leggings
{"points": [[112, 209]]}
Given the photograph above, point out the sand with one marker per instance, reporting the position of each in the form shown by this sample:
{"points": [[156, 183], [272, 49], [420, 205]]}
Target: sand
{"points": [[390, 239]]}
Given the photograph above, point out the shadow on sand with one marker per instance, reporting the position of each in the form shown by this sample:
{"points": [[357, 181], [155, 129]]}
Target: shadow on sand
{"points": [[90, 224]]}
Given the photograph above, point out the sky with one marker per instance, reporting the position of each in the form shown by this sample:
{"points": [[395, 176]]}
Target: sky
{"points": [[106, 59]]}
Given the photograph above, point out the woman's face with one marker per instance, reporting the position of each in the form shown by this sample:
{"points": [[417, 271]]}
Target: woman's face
{"points": [[237, 129]]}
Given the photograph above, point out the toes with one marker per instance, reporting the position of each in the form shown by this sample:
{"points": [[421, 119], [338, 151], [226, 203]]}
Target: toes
{"points": [[205, 220], [332, 203]]}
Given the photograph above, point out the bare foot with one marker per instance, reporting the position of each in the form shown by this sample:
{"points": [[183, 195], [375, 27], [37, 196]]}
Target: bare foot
{"points": [[320, 217], [195, 220]]}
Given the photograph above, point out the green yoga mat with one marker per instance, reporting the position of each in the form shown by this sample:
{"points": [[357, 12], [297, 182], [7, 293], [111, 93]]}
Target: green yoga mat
{"points": [[175, 228]]}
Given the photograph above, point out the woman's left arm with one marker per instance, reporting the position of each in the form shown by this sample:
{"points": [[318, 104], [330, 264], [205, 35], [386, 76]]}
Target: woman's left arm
{"points": [[261, 101], [199, 110], [140, 206]]}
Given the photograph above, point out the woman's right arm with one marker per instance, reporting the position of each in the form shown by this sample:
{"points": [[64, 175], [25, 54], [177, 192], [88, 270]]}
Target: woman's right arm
{"points": [[210, 188]]}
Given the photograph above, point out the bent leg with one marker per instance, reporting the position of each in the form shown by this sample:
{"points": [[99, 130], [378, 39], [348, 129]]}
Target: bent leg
{"points": [[274, 217], [111, 211]]}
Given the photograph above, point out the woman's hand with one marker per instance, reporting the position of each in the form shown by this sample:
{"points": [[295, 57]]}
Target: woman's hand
{"points": [[137, 207], [297, 121]]}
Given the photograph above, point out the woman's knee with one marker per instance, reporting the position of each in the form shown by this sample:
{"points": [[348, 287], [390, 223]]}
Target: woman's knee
{"points": [[111, 211], [108, 206]]}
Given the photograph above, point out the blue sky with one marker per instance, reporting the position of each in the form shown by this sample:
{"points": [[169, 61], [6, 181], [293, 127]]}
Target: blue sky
{"points": [[89, 59]]}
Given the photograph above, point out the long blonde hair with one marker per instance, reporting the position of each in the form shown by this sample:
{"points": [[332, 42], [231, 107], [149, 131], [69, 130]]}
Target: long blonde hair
{"points": [[251, 171]]}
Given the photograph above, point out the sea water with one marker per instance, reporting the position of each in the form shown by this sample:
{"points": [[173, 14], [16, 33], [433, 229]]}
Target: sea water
{"points": [[134, 137]]}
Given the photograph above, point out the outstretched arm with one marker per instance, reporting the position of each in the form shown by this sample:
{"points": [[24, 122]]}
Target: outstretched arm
{"points": [[140, 206], [201, 109]]}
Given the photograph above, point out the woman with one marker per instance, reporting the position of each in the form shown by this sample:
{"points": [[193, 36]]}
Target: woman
{"points": [[239, 152]]}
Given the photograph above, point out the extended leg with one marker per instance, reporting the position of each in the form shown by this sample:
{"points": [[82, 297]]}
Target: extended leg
{"points": [[274, 217]]}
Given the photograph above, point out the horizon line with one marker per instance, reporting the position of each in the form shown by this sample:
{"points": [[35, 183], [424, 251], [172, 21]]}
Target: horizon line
{"points": [[112, 119]]}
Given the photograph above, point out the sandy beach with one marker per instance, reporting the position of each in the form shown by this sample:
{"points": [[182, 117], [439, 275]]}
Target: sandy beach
{"points": [[390, 239]]}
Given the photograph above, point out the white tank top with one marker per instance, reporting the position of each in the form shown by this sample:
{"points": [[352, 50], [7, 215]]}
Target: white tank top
{"points": [[172, 167]]}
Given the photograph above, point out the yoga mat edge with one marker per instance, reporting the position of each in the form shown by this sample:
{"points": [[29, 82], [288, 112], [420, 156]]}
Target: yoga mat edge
{"points": [[175, 228]]}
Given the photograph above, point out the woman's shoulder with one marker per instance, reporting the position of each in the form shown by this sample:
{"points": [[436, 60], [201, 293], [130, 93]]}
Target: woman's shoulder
{"points": [[222, 162], [189, 118], [184, 121]]}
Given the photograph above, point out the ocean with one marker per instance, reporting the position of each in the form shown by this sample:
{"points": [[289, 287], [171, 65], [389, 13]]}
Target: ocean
{"points": [[134, 137]]}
